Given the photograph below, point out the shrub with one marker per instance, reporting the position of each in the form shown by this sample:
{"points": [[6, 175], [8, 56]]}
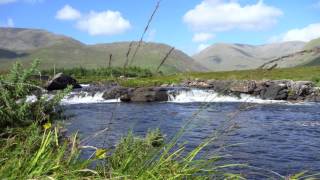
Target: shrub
{"points": [[16, 108], [107, 72]]}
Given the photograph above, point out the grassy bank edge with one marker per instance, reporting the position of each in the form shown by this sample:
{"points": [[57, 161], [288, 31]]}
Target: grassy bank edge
{"points": [[296, 74]]}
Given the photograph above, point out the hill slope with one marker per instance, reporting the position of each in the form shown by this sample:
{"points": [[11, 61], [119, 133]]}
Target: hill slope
{"points": [[308, 56], [223, 57], [65, 52]]}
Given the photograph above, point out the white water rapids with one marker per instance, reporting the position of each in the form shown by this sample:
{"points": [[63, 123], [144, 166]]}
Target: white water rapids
{"points": [[175, 96], [179, 96]]}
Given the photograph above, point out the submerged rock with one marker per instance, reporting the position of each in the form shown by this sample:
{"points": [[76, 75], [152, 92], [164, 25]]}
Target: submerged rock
{"points": [[61, 81]]}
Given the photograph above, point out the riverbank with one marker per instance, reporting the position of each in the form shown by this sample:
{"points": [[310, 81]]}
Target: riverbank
{"points": [[295, 74]]}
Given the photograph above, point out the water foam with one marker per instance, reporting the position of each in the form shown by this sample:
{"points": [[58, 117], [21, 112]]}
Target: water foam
{"points": [[86, 98], [197, 95]]}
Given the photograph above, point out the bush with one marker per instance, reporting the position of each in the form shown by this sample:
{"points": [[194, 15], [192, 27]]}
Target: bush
{"points": [[107, 72], [16, 88]]}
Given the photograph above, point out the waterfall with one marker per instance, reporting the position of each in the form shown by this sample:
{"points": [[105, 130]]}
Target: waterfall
{"points": [[86, 98], [199, 95]]}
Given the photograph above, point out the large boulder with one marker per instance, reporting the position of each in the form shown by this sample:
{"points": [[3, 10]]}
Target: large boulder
{"points": [[145, 95], [300, 89], [274, 91], [61, 81]]}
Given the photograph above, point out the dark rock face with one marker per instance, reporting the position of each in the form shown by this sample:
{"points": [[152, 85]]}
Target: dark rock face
{"points": [[274, 91], [61, 81], [145, 95]]}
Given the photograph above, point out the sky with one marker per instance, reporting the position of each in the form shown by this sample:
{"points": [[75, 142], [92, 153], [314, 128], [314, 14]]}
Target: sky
{"points": [[188, 25]]}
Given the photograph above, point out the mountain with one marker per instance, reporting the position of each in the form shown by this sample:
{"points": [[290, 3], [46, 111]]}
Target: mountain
{"points": [[29, 39], [308, 56], [313, 44], [65, 52], [224, 57]]}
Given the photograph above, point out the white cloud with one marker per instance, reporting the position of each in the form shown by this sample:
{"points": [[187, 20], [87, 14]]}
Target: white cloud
{"points": [[68, 13], [202, 37], [6, 1], [220, 15], [104, 23], [306, 34], [202, 47]]}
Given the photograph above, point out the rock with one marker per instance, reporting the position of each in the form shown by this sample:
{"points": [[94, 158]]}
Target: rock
{"points": [[197, 84], [266, 89], [115, 93], [146, 95], [243, 86], [220, 86], [125, 98], [61, 81], [274, 91]]}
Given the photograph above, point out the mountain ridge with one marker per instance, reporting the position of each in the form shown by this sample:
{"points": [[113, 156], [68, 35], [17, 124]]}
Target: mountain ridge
{"points": [[65, 52], [226, 56]]}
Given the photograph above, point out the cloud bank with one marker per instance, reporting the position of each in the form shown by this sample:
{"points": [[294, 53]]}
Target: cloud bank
{"points": [[305, 34], [219, 15]]}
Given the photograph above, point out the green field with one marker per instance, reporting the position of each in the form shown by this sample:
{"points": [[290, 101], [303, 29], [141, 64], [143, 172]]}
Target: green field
{"points": [[296, 74]]}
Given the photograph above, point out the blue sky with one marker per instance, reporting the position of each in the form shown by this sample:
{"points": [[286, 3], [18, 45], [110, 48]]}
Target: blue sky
{"points": [[189, 25]]}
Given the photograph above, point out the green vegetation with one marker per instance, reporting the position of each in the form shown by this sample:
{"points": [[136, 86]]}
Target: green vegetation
{"points": [[15, 110], [297, 74], [313, 44], [142, 77], [103, 72]]}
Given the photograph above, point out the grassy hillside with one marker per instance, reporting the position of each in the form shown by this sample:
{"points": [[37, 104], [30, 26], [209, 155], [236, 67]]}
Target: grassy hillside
{"points": [[225, 57], [313, 44], [64, 52], [20, 39]]}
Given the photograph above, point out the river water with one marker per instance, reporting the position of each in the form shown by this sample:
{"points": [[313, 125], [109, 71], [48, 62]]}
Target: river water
{"points": [[269, 135]]}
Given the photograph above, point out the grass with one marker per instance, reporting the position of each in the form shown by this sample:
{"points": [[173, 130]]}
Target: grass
{"points": [[296, 74], [41, 153], [102, 72], [33, 153]]}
